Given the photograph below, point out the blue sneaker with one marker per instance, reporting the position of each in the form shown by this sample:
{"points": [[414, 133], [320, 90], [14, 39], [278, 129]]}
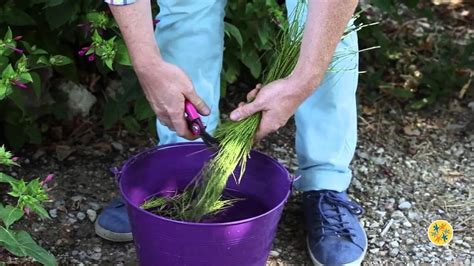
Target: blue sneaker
{"points": [[113, 224], [335, 236]]}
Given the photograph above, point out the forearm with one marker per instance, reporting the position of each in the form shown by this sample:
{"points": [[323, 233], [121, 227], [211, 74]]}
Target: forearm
{"points": [[136, 24], [325, 24]]}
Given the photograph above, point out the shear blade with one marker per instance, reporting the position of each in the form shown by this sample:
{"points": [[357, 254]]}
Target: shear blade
{"points": [[209, 140]]}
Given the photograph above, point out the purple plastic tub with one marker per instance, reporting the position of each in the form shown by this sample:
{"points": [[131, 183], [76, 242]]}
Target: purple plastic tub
{"points": [[162, 241]]}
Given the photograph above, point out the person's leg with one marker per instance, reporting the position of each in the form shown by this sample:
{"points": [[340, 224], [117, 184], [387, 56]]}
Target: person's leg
{"points": [[326, 133], [190, 34]]}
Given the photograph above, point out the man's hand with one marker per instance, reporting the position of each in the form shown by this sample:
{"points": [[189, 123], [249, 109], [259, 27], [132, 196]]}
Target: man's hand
{"points": [[277, 101], [166, 87]]}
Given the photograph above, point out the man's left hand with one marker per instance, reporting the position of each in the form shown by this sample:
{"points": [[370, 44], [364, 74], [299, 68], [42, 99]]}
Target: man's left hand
{"points": [[277, 101]]}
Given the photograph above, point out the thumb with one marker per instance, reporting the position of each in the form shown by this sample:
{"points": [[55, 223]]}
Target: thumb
{"points": [[245, 111], [200, 105]]}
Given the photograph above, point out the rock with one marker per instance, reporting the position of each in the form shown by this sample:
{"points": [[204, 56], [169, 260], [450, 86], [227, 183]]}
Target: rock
{"points": [[274, 253], [404, 205], [413, 216], [394, 252], [394, 244], [77, 198], [97, 249], [74, 252], [378, 160], [374, 250], [407, 224], [63, 151], [79, 99], [117, 146], [375, 225], [410, 241], [91, 214], [398, 215], [53, 213], [96, 256], [95, 206], [38, 154], [81, 216]]}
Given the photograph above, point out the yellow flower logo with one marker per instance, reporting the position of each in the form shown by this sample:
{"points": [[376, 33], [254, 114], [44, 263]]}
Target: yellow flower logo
{"points": [[440, 232]]}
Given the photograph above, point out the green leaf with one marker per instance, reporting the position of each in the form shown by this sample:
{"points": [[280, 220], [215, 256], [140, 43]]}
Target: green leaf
{"points": [[21, 244], [36, 84], [38, 208], [51, 3], [7, 179], [42, 60], [111, 113], [8, 72], [142, 109], [252, 61], [131, 124], [109, 63], [10, 215], [17, 17], [122, 57], [3, 61], [60, 60], [8, 34], [26, 77], [33, 133], [16, 98], [15, 135], [59, 14], [233, 31]]}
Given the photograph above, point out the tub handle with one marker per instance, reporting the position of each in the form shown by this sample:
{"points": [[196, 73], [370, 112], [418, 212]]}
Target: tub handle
{"points": [[116, 171], [293, 179]]}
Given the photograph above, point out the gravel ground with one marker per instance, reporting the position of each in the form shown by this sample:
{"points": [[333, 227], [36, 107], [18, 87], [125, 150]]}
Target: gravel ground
{"points": [[409, 169]]}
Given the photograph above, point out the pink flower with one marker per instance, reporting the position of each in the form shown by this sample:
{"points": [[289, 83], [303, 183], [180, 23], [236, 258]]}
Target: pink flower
{"points": [[17, 50], [17, 38], [47, 179], [15, 159], [26, 210], [20, 84], [91, 57]]}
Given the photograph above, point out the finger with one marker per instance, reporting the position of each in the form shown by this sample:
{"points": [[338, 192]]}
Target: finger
{"points": [[182, 128], [253, 93], [166, 123], [241, 104], [200, 105], [264, 128], [245, 111]]}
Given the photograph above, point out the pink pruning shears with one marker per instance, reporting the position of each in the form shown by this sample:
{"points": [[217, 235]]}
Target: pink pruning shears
{"points": [[196, 125]]}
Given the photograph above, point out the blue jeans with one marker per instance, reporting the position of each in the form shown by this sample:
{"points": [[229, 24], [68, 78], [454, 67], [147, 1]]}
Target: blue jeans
{"points": [[191, 35]]}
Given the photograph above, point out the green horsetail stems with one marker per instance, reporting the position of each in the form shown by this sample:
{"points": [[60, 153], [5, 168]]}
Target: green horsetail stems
{"points": [[204, 196]]}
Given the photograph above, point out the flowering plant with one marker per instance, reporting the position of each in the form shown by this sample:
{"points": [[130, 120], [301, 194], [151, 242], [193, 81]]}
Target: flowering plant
{"points": [[29, 198]]}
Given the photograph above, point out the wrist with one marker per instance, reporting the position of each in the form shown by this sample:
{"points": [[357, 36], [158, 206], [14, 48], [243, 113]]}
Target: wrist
{"points": [[306, 81]]}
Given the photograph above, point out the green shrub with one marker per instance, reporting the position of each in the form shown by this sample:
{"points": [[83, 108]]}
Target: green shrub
{"points": [[75, 40], [29, 198]]}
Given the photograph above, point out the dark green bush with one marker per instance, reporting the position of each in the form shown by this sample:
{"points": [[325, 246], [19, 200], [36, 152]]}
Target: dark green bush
{"points": [[79, 41]]}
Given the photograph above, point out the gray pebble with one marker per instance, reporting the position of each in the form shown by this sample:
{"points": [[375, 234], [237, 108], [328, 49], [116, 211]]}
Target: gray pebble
{"points": [[394, 244], [410, 241], [53, 213], [97, 249], [274, 253], [398, 215], [404, 205], [77, 198], [407, 224], [81, 216], [394, 252], [414, 215], [91, 214], [117, 146], [96, 256], [94, 205]]}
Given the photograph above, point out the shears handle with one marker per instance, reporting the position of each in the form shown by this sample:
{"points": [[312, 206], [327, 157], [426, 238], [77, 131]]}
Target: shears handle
{"points": [[193, 118]]}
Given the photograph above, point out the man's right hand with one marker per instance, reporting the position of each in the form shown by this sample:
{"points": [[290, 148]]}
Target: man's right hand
{"points": [[166, 87]]}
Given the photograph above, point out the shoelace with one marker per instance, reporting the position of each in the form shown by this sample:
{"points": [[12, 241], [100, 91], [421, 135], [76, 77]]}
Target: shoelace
{"points": [[332, 224]]}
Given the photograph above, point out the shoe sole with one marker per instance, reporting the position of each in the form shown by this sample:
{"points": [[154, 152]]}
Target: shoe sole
{"points": [[354, 263], [111, 236]]}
